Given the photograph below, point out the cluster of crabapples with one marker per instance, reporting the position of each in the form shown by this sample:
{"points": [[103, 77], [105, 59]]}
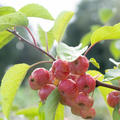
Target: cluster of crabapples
{"points": [[74, 85]]}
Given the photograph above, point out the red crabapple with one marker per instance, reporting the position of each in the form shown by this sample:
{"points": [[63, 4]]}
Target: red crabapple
{"points": [[79, 66], [113, 98], [67, 101], [76, 110], [88, 113], [39, 77], [45, 91], [84, 100], [86, 83], [60, 69], [68, 88], [33, 84]]}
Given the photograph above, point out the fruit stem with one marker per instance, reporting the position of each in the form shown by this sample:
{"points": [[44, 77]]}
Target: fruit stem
{"points": [[26, 41], [89, 49], [31, 35], [98, 83], [40, 62]]}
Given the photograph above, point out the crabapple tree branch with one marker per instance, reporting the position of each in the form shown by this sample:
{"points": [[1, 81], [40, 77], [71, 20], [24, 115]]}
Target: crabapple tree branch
{"points": [[98, 83], [26, 41]]}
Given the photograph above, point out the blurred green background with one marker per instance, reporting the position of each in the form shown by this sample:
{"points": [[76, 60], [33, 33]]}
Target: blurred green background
{"points": [[88, 17]]}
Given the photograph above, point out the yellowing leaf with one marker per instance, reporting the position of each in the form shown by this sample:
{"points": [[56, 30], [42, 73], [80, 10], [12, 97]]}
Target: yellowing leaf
{"points": [[10, 84], [106, 33]]}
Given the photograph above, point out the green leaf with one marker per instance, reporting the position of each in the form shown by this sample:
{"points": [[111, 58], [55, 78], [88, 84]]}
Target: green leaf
{"points": [[57, 31], [104, 91], [6, 10], [105, 15], [48, 109], [43, 36], [94, 62], [10, 84], [28, 112], [41, 33], [86, 38], [41, 112], [116, 115], [35, 10], [112, 74], [13, 19], [68, 53], [61, 23], [60, 112], [106, 33], [5, 38], [115, 49], [51, 38]]}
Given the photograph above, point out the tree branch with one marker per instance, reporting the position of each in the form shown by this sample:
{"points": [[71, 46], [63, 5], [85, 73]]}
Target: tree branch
{"points": [[98, 83], [26, 41]]}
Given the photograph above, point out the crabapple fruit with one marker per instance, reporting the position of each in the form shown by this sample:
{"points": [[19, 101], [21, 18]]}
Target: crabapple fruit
{"points": [[88, 113], [67, 101], [68, 88], [76, 110], [79, 66], [39, 78], [113, 98], [45, 91], [33, 84], [86, 83], [60, 69], [84, 100]]}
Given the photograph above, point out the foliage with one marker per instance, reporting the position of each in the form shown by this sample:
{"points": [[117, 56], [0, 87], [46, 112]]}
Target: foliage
{"points": [[10, 84], [94, 62], [51, 109], [34, 10], [116, 115], [105, 15], [68, 53]]}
